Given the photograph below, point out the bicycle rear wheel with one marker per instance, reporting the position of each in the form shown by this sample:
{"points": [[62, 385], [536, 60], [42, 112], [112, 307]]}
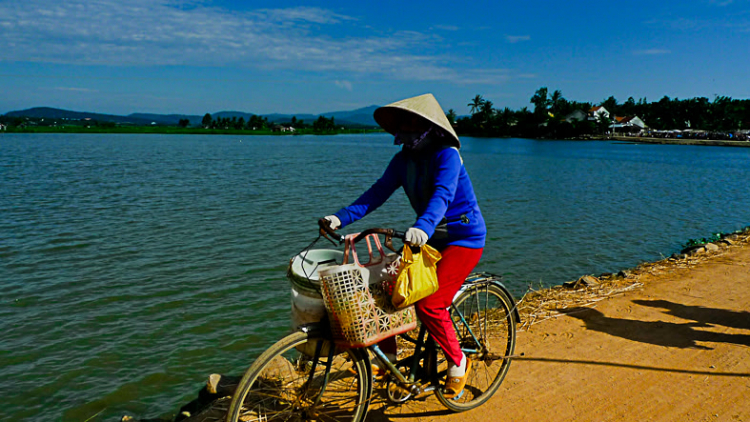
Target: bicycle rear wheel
{"points": [[487, 337], [284, 384]]}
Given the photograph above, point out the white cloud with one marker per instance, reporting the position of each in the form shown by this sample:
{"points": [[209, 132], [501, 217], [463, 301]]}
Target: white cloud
{"points": [[196, 33], [517, 38], [72, 89], [344, 84], [651, 52], [303, 14], [485, 76], [735, 21], [447, 27]]}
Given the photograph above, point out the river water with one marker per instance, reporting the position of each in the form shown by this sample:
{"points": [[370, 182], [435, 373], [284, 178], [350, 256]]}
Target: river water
{"points": [[132, 266]]}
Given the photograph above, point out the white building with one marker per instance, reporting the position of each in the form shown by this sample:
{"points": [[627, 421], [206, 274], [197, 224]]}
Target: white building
{"points": [[282, 128], [628, 124], [597, 112]]}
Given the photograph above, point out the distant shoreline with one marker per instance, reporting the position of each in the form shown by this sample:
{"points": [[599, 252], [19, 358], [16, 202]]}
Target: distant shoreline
{"points": [[678, 141], [169, 130]]}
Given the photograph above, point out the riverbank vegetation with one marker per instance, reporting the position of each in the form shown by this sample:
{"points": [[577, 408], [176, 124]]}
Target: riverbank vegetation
{"points": [[255, 125], [552, 115], [549, 115]]}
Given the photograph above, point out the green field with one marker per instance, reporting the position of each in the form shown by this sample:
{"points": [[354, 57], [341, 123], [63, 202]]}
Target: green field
{"points": [[173, 130]]}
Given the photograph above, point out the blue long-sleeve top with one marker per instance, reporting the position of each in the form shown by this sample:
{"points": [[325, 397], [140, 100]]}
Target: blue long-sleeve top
{"points": [[439, 190]]}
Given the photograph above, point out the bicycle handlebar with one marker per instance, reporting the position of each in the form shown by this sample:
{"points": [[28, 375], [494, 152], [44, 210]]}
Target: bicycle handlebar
{"points": [[330, 234], [388, 233], [327, 232]]}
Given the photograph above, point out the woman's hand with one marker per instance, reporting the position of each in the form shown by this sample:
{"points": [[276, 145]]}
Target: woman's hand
{"points": [[416, 237], [333, 222]]}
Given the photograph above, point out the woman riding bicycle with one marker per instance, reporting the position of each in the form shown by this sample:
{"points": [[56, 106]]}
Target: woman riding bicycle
{"points": [[431, 172]]}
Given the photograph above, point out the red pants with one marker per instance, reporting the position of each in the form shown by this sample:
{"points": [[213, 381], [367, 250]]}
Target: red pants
{"points": [[456, 264]]}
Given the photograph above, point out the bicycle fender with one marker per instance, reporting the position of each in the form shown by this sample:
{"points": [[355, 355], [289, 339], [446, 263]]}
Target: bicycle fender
{"points": [[486, 278]]}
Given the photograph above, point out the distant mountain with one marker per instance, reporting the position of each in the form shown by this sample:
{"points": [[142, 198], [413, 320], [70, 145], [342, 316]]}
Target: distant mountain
{"points": [[362, 116], [286, 118], [358, 117], [56, 113], [230, 114]]}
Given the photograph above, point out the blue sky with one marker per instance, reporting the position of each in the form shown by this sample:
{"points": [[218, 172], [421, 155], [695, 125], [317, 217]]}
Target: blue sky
{"points": [[193, 57]]}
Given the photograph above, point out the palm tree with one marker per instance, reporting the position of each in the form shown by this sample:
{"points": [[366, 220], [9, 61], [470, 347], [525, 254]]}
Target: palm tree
{"points": [[452, 116], [505, 117], [556, 101], [486, 110], [476, 103]]}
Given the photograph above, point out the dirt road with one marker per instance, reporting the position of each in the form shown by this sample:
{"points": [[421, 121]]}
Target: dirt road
{"points": [[675, 349]]}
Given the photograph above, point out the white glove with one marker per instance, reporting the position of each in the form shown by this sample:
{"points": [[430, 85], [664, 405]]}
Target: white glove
{"points": [[333, 221], [416, 237]]}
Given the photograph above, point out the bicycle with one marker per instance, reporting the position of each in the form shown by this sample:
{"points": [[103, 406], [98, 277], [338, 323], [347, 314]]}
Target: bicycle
{"points": [[305, 376]]}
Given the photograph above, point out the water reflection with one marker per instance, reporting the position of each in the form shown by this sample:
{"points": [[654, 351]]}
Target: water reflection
{"points": [[132, 263]]}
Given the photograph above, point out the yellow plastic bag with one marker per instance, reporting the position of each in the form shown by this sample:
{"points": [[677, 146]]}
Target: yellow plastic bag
{"points": [[417, 277]]}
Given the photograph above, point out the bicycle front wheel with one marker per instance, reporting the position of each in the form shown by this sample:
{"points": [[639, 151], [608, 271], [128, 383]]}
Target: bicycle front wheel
{"points": [[486, 328], [289, 383]]}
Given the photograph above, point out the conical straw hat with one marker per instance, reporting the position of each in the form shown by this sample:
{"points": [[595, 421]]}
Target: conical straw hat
{"points": [[425, 106]]}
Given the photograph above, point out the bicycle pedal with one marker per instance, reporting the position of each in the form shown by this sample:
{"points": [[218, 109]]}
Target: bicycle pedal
{"points": [[430, 388]]}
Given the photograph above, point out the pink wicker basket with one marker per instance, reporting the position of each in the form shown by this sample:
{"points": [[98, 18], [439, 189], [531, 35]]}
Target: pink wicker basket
{"points": [[358, 305]]}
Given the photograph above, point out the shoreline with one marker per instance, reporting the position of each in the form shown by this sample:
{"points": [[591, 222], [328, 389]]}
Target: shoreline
{"points": [[540, 305], [198, 131], [169, 130], [675, 141], [561, 306]]}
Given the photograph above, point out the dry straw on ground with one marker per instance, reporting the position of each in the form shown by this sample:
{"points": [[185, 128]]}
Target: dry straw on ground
{"points": [[540, 305]]}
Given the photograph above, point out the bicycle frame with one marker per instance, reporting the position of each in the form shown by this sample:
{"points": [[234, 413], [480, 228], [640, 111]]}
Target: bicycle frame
{"points": [[424, 347]]}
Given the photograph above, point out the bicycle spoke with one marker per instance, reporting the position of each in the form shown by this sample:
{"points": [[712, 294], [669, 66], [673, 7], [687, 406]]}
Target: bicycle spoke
{"points": [[287, 385], [484, 323]]}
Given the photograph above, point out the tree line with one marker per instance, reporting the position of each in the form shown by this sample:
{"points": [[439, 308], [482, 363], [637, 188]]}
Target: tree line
{"points": [[547, 118], [225, 123], [256, 124], [259, 123]]}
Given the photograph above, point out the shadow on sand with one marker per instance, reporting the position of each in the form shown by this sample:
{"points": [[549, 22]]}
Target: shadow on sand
{"points": [[713, 316], [660, 333]]}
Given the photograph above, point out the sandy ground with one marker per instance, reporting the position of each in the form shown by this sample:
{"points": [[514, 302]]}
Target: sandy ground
{"points": [[676, 348]]}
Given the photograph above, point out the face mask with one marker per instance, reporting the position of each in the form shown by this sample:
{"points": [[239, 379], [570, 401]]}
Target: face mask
{"points": [[413, 141]]}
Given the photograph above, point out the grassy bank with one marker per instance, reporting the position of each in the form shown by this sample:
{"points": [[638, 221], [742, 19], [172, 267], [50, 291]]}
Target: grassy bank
{"points": [[171, 130]]}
